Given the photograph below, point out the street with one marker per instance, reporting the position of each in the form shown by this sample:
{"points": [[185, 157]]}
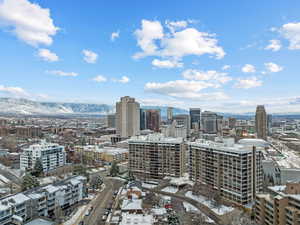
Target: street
{"points": [[100, 203]]}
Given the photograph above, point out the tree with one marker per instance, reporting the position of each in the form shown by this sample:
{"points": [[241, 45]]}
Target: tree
{"points": [[38, 168], [96, 182], [198, 219], [114, 169], [29, 182], [79, 170]]}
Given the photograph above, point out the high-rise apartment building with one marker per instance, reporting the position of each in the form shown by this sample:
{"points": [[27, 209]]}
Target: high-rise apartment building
{"points": [[154, 156], [234, 171], [51, 156], [232, 122], [127, 117], [195, 117], [209, 122], [153, 119], [261, 122]]}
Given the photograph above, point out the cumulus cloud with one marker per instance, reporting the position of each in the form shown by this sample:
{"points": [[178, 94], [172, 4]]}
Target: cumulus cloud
{"points": [[100, 79], [166, 63], [89, 56], [14, 91], [47, 55], [248, 68], [274, 45], [175, 25], [62, 73], [247, 83], [291, 32], [210, 75], [146, 36], [273, 67], [124, 80], [226, 67], [28, 21], [185, 89], [186, 41], [114, 35]]}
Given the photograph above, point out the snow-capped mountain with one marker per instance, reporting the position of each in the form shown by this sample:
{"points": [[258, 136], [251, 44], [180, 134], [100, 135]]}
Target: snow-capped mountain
{"points": [[28, 107]]}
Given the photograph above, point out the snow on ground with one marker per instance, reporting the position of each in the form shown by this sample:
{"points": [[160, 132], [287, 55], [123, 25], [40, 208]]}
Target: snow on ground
{"points": [[76, 216], [178, 181], [190, 208], [147, 185], [170, 189], [290, 159], [201, 199]]}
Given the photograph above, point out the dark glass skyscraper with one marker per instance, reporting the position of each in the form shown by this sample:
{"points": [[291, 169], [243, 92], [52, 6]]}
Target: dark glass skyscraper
{"points": [[195, 117]]}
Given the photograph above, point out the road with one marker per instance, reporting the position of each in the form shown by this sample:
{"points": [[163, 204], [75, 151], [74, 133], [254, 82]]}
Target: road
{"points": [[100, 203]]}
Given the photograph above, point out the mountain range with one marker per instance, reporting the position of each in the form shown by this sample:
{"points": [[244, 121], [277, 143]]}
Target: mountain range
{"points": [[18, 106]]}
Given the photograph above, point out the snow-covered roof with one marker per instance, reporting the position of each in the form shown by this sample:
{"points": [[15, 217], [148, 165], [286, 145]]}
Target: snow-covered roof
{"points": [[154, 138], [134, 219], [51, 189], [132, 204], [159, 211], [254, 142]]}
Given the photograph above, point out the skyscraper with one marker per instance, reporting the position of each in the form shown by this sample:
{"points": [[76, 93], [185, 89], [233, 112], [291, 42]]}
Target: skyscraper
{"points": [[195, 117], [269, 124], [170, 113], [261, 122], [209, 122], [143, 121], [183, 120], [153, 119], [127, 117]]}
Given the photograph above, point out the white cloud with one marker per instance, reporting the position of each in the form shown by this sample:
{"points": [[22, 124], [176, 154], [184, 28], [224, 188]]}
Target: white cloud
{"points": [[273, 68], [175, 25], [226, 67], [166, 63], [62, 73], [114, 35], [291, 31], [100, 79], [146, 36], [89, 56], [14, 91], [47, 55], [124, 80], [274, 45], [191, 42], [188, 41], [247, 83], [185, 89], [160, 102], [210, 75], [28, 21], [248, 68]]}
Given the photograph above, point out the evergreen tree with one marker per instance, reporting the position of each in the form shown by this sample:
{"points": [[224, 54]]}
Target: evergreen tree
{"points": [[96, 182], [114, 170], [29, 182], [38, 168]]}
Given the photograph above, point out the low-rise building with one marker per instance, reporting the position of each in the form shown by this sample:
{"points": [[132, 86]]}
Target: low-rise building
{"points": [[51, 156], [41, 201]]}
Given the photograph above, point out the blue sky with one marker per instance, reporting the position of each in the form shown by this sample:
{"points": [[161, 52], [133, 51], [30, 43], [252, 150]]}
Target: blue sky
{"points": [[218, 55]]}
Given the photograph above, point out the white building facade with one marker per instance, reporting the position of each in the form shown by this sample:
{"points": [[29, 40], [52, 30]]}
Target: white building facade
{"points": [[51, 156]]}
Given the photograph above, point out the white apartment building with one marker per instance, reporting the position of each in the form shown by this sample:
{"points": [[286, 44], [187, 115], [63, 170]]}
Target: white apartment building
{"points": [[234, 171], [42, 201], [51, 155]]}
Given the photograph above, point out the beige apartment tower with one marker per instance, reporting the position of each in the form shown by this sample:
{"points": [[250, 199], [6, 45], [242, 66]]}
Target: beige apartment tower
{"points": [[153, 157], [261, 122], [234, 171], [127, 117]]}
